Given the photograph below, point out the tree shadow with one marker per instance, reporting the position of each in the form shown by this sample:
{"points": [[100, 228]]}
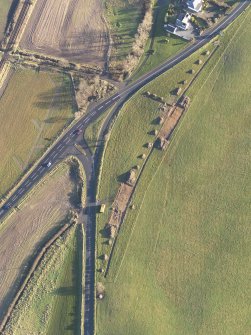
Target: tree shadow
{"points": [[58, 97]]}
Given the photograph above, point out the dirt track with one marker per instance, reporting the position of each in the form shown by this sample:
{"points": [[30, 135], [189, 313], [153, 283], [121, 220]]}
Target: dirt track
{"points": [[73, 29]]}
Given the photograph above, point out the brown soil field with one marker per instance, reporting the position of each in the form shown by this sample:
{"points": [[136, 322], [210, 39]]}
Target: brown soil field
{"points": [[26, 230], [72, 29]]}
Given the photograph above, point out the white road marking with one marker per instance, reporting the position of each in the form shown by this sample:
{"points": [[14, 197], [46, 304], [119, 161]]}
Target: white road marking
{"points": [[40, 168], [107, 102], [100, 107], [14, 198], [1, 211], [29, 183], [68, 140], [34, 177]]}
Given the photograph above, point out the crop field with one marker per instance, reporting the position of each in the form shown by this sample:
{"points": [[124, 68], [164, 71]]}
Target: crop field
{"points": [[4, 10], [24, 232], [124, 17], [73, 29], [50, 303], [182, 260], [33, 109]]}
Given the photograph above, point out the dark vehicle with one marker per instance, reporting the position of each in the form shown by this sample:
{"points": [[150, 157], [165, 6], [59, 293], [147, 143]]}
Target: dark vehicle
{"points": [[76, 131]]}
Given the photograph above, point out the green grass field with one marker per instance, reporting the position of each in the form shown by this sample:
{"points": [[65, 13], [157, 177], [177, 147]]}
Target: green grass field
{"points": [[4, 10], [124, 18], [182, 260], [33, 109], [132, 130], [50, 303]]}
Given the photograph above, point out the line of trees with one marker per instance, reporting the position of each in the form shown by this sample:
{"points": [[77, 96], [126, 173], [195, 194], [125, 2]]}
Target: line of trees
{"points": [[141, 38]]}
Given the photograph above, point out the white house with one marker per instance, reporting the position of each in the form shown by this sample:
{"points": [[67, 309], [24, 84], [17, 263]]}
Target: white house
{"points": [[182, 21], [195, 5]]}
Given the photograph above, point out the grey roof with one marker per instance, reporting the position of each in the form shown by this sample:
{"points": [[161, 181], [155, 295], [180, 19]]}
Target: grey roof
{"points": [[170, 28]]}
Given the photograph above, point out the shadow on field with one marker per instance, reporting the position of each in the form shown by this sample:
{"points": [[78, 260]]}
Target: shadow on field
{"points": [[58, 98], [65, 291], [56, 119]]}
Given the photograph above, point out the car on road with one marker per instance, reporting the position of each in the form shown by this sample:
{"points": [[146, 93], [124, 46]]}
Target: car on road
{"points": [[5, 207], [48, 164], [76, 131]]}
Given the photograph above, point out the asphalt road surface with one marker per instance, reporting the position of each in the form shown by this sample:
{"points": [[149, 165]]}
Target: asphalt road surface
{"points": [[65, 146]]}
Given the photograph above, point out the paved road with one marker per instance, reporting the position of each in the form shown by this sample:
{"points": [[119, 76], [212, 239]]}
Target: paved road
{"points": [[65, 146]]}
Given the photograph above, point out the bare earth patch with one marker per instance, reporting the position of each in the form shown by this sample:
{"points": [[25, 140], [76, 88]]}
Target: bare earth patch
{"points": [[22, 234], [72, 29]]}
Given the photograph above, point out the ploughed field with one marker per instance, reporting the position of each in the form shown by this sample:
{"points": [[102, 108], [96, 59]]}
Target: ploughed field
{"points": [[28, 228], [72, 29]]}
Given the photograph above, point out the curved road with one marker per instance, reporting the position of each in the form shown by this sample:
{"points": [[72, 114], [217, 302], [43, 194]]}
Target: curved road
{"points": [[65, 146]]}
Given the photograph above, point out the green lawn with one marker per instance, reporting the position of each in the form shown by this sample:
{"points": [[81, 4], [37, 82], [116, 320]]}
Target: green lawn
{"points": [[51, 301], [182, 260], [4, 10], [33, 109]]}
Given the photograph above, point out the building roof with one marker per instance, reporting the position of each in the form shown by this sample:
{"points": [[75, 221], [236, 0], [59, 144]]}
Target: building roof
{"points": [[170, 28], [184, 18], [195, 5]]}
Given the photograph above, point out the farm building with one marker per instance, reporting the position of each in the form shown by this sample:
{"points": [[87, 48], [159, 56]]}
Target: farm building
{"points": [[195, 5], [182, 21]]}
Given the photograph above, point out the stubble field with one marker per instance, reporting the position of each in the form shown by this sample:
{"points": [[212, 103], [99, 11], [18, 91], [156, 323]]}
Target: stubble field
{"points": [[73, 29], [4, 10], [33, 109]]}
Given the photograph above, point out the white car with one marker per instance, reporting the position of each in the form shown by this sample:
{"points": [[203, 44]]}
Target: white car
{"points": [[48, 164]]}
